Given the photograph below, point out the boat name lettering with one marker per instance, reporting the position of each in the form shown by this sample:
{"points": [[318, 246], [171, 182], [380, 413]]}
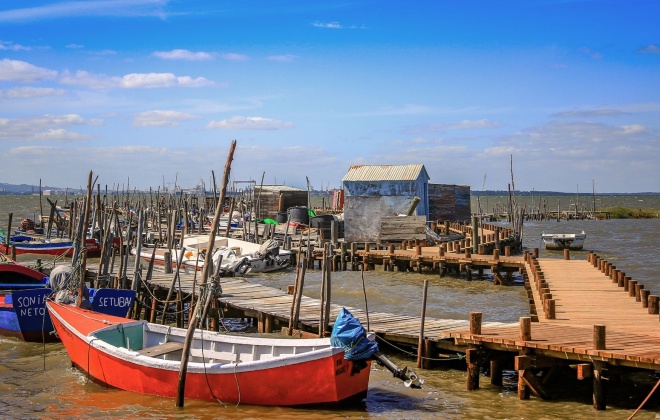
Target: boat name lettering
{"points": [[27, 301], [28, 312], [120, 301]]}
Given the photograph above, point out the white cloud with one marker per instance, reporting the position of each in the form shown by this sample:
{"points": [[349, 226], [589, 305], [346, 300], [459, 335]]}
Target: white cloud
{"points": [[591, 53], [329, 25], [30, 92], [458, 125], [44, 128], [587, 113], [74, 46], [20, 71], [10, 46], [61, 135], [649, 49], [282, 58], [122, 8], [160, 118], [249, 123], [133, 80], [186, 55], [154, 80], [234, 57]]}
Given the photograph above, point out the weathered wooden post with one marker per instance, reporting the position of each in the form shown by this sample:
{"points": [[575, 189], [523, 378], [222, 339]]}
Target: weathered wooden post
{"points": [[472, 353], [475, 234], [420, 347], [653, 304], [525, 328], [599, 366], [567, 254]]}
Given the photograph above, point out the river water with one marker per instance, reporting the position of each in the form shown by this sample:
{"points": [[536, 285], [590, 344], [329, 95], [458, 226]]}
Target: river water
{"points": [[37, 381]]}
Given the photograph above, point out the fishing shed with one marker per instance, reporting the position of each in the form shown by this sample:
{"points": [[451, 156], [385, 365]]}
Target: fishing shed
{"points": [[373, 192], [274, 199]]}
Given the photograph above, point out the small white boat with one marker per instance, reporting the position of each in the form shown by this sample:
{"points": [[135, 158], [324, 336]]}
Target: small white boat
{"points": [[238, 257], [572, 241], [261, 258]]}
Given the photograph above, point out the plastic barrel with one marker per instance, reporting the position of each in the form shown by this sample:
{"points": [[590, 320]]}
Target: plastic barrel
{"points": [[281, 217], [299, 215]]}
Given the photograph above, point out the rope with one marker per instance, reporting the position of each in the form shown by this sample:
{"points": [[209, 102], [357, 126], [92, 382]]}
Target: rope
{"points": [[457, 357], [238, 386], [89, 350], [645, 400], [206, 376]]}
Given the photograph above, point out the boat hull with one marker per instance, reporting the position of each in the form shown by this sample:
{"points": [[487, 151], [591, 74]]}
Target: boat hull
{"points": [[55, 248], [23, 313], [323, 376], [559, 241]]}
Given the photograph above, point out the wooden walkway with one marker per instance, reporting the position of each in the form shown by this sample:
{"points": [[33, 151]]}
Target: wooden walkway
{"points": [[583, 297], [578, 303], [588, 314], [256, 300]]}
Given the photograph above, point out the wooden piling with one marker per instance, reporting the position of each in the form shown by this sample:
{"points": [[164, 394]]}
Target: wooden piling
{"points": [[420, 346], [525, 328]]}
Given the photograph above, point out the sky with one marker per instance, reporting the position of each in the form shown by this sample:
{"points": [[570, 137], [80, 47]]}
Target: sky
{"points": [[150, 93]]}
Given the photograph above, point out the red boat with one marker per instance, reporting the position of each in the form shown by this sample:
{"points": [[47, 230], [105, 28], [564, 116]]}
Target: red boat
{"points": [[142, 357], [30, 245], [14, 276]]}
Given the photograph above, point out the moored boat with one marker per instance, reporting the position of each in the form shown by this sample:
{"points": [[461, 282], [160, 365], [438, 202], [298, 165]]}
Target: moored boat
{"points": [[238, 257], [572, 241], [146, 358], [261, 258], [23, 312], [25, 244]]}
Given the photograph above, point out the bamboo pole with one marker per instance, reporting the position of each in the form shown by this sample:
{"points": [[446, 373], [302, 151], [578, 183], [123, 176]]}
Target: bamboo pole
{"points": [[208, 262], [80, 240]]}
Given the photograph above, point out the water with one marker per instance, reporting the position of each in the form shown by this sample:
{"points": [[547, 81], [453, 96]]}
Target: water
{"points": [[58, 391]]}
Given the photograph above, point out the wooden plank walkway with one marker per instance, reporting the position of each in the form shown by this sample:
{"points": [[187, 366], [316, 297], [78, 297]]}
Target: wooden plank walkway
{"points": [[254, 298], [584, 297]]}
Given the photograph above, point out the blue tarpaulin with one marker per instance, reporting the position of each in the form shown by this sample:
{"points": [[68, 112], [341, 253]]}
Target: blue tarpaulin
{"points": [[350, 335]]}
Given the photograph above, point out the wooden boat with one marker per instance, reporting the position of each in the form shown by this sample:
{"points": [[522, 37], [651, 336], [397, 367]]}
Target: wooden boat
{"points": [[261, 258], [143, 357], [27, 244], [572, 241], [14, 276], [238, 257], [23, 312], [194, 260]]}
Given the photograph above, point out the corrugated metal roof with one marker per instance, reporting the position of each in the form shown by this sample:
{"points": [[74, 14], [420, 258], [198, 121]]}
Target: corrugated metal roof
{"points": [[384, 172], [277, 188]]}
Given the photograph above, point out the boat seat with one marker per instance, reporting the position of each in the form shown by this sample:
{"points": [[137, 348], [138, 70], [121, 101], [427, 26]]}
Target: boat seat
{"points": [[161, 349]]}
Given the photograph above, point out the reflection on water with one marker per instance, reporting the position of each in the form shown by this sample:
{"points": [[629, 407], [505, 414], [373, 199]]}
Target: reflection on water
{"points": [[59, 391]]}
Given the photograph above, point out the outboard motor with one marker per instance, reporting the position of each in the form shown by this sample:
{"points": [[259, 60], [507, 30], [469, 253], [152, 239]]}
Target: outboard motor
{"points": [[350, 335], [269, 249]]}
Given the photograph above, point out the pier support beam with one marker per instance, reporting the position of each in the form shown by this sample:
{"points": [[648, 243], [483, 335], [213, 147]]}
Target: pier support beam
{"points": [[473, 355]]}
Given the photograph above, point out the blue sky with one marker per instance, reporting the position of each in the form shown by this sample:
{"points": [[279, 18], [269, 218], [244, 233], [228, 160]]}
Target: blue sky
{"points": [[146, 92]]}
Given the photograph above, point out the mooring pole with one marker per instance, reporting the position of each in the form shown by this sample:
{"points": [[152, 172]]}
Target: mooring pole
{"points": [[208, 263]]}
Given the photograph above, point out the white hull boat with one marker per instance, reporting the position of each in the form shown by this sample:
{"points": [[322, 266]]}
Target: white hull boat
{"points": [[572, 241], [238, 257], [260, 258]]}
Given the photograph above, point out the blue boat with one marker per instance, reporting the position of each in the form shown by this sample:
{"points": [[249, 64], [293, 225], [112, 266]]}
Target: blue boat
{"points": [[23, 312]]}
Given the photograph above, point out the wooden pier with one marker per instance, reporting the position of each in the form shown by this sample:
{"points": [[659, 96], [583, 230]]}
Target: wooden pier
{"points": [[583, 314], [586, 317]]}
